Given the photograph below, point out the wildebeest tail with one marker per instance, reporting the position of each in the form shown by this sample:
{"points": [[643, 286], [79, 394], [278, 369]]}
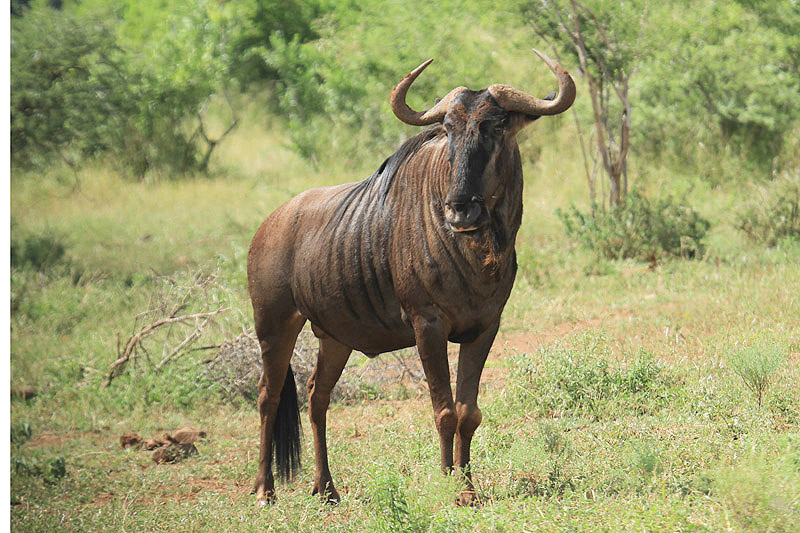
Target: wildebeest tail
{"points": [[287, 430]]}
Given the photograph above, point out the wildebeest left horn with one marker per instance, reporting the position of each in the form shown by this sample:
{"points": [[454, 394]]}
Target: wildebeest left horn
{"points": [[419, 118], [512, 99]]}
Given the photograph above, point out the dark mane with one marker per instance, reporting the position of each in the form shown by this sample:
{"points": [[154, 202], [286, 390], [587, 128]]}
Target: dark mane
{"points": [[384, 176]]}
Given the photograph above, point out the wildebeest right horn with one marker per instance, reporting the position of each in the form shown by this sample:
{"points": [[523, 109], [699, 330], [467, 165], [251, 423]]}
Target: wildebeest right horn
{"points": [[419, 118], [512, 99]]}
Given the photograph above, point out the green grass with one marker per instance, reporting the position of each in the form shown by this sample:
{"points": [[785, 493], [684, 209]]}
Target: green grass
{"points": [[611, 400]]}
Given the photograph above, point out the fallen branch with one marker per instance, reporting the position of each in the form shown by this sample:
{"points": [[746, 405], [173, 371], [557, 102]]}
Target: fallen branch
{"points": [[134, 343]]}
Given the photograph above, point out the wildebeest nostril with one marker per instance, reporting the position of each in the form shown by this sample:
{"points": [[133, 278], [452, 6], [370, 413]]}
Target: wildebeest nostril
{"points": [[463, 205]]}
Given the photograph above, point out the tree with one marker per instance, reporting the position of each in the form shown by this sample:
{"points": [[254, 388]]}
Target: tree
{"points": [[723, 88], [604, 39]]}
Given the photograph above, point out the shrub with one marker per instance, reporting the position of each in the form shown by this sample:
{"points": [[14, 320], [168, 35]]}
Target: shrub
{"points": [[638, 229], [561, 380], [38, 251], [88, 81], [774, 213], [756, 365], [708, 104], [51, 471], [334, 89]]}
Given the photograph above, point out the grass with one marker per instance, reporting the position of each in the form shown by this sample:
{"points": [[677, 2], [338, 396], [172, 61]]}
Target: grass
{"points": [[611, 400]]}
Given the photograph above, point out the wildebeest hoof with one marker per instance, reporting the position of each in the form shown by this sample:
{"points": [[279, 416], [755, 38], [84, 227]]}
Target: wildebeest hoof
{"points": [[330, 495], [265, 499], [468, 498]]}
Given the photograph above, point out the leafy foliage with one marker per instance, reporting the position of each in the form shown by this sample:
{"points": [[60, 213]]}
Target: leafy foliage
{"points": [[724, 81], [75, 93], [88, 83], [335, 89], [133, 80], [639, 229], [774, 213], [605, 40]]}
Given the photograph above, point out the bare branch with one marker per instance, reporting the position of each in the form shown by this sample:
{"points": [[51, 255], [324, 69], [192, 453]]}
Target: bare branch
{"points": [[134, 343]]}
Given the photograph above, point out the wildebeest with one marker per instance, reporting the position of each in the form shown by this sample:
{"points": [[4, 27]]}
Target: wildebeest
{"points": [[420, 253]]}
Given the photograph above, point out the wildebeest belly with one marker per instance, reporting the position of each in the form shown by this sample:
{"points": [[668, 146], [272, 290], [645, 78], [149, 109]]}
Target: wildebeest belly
{"points": [[352, 318]]}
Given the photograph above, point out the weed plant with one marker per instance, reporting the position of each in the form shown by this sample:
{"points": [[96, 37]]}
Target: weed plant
{"points": [[756, 364], [560, 381]]}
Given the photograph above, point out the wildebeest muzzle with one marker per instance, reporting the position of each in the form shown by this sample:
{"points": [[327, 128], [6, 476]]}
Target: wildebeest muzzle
{"points": [[464, 214]]}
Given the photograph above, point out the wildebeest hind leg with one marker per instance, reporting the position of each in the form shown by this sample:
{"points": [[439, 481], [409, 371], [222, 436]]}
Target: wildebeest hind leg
{"points": [[277, 339], [330, 363]]}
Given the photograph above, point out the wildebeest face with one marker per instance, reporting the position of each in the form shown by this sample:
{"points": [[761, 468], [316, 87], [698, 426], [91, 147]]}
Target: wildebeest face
{"points": [[477, 129], [479, 124]]}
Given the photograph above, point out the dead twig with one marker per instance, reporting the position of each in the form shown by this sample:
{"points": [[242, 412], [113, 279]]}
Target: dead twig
{"points": [[134, 343]]}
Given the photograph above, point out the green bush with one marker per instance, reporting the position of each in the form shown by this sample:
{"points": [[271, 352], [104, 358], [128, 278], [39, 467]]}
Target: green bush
{"points": [[561, 380], [335, 89], [134, 80], [707, 102], [51, 470], [39, 251], [756, 365], [75, 94], [774, 213], [638, 229]]}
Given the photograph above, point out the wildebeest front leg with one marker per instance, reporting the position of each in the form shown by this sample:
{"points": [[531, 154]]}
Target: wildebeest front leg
{"points": [[432, 345], [471, 359], [330, 363]]}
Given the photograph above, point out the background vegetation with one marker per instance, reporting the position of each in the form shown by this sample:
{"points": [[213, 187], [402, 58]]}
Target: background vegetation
{"points": [[646, 372]]}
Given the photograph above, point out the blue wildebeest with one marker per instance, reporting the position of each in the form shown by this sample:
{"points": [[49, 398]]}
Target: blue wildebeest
{"points": [[420, 253]]}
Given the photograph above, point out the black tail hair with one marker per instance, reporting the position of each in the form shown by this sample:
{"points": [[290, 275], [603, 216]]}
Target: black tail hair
{"points": [[287, 431]]}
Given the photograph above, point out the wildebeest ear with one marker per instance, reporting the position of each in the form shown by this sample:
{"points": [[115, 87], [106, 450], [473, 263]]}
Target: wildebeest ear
{"points": [[550, 96], [520, 120]]}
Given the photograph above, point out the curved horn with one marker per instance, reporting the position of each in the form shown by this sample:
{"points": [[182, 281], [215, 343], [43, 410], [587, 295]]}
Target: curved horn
{"points": [[512, 99], [419, 118]]}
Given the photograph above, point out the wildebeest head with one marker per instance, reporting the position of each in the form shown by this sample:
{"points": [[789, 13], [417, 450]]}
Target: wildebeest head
{"points": [[479, 125]]}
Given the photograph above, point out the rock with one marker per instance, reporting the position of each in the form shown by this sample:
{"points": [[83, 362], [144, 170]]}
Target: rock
{"points": [[129, 440], [173, 453], [23, 393]]}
